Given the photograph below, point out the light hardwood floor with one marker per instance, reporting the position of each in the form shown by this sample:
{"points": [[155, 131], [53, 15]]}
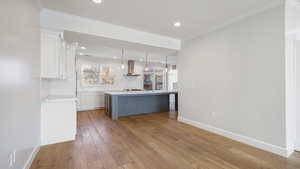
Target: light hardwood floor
{"points": [[152, 141]]}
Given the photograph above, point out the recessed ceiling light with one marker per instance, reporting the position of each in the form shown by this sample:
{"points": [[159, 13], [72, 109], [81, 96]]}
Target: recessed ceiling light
{"points": [[81, 54], [97, 1], [177, 24], [82, 47]]}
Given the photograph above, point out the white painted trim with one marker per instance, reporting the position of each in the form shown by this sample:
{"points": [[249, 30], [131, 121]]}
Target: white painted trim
{"points": [[240, 138], [241, 17], [60, 140], [63, 21], [90, 109], [31, 157], [297, 145]]}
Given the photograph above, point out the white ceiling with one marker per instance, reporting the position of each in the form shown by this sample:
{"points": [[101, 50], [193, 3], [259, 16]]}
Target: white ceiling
{"points": [[108, 48], [157, 16]]}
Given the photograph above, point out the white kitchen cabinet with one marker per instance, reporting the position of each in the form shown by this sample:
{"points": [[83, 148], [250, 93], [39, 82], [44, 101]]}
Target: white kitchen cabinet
{"points": [[63, 60], [90, 100], [52, 54], [69, 61], [58, 120]]}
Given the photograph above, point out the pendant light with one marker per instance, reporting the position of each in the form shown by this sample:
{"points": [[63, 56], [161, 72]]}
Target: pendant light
{"points": [[166, 66], [122, 61], [146, 65]]}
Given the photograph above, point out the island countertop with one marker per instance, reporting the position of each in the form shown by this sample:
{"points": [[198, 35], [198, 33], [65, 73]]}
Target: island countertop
{"points": [[134, 93]]}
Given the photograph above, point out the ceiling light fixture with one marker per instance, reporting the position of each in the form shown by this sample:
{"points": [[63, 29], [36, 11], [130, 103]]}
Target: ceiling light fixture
{"points": [[82, 47], [122, 62], [97, 1], [177, 24], [146, 65], [166, 66]]}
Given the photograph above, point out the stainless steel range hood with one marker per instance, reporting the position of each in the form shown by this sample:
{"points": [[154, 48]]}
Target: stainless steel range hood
{"points": [[131, 68]]}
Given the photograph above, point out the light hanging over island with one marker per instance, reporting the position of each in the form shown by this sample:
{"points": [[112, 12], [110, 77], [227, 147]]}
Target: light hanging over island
{"points": [[123, 103]]}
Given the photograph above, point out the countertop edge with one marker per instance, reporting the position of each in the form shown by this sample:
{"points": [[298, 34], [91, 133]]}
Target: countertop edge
{"points": [[142, 93], [51, 99]]}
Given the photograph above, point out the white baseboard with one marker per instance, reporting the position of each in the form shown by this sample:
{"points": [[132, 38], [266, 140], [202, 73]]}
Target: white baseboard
{"points": [[240, 138], [31, 158], [89, 109], [56, 140]]}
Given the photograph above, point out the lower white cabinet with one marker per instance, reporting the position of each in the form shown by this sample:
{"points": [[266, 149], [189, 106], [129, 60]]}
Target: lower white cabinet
{"points": [[90, 100], [58, 121]]}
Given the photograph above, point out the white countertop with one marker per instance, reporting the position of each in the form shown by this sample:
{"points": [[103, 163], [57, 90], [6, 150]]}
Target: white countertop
{"points": [[59, 98], [141, 92]]}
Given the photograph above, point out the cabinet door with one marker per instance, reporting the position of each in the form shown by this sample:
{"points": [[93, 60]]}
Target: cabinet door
{"points": [[63, 60], [50, 54], [90, 100], [69, 65], [58, 122]]}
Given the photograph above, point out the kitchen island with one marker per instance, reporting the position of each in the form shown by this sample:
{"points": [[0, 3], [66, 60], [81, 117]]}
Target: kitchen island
{"points": [[124, 103]]}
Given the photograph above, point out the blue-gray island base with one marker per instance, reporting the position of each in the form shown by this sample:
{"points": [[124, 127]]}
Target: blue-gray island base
{"points": [[120, 104]]}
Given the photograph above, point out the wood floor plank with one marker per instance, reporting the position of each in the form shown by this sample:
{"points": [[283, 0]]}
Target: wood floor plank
{"points": [[152, 141]]}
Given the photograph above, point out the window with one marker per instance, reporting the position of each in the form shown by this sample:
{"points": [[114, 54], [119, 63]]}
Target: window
{"points": [[90, 75], [95, 75]]}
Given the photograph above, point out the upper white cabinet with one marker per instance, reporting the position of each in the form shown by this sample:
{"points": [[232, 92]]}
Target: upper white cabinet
{"points": [[69, 61], [53, 54]]}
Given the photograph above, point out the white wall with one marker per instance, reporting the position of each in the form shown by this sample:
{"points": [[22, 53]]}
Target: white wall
{"points": [[232, 81], [20, 83], [292, 16]]}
